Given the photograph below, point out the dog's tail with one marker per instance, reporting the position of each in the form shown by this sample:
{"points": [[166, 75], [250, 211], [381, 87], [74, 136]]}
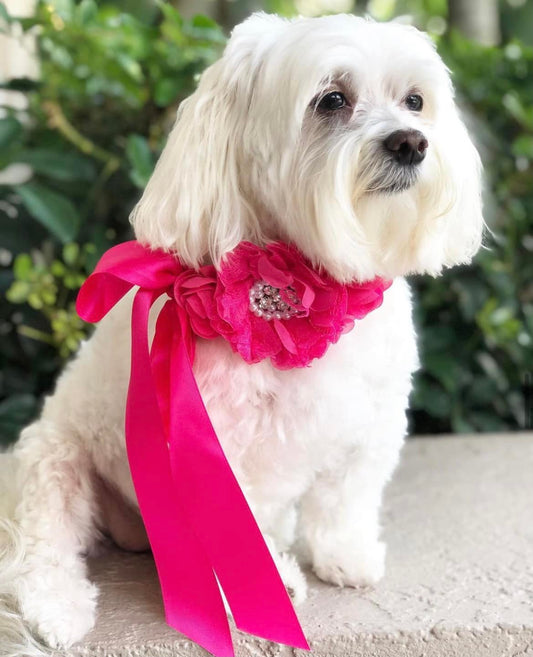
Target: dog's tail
{"points": [[15, 638]]}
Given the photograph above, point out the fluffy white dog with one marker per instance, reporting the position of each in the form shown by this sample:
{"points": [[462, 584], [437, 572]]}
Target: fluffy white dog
{"points": [[338, 135]]}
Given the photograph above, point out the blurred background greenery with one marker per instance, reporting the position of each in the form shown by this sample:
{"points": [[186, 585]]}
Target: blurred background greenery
{"points": [[82, 125]]}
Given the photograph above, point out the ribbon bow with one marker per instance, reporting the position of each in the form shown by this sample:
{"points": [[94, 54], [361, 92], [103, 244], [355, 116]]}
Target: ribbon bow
{"points": [[201, 530]]}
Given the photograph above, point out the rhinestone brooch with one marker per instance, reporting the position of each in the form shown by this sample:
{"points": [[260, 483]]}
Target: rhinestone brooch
{"points": [[266, 301]]}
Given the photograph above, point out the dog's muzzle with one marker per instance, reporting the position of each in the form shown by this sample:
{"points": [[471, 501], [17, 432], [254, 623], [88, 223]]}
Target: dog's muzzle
{"points": [[400, 155]]}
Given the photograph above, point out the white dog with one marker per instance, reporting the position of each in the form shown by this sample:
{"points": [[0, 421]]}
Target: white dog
{"points": [[340, 136]]}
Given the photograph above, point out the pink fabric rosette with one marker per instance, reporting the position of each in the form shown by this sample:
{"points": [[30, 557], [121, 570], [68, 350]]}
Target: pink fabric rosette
{"points": [[322, 308]]}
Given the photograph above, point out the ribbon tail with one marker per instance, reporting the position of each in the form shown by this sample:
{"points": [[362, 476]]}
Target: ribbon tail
{"points": [[219, 513], [191, 595]]}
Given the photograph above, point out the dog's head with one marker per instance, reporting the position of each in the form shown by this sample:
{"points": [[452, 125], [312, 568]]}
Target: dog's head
{"points": [[337, 134]]}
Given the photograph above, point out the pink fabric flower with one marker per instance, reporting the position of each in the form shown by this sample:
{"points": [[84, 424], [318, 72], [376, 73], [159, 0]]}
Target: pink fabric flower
{"points": [[270, 303], [319, 309], [194, 291]]}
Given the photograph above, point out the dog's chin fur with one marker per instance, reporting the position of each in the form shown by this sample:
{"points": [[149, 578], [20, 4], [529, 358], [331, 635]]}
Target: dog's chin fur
{"points": [[254, 156]]}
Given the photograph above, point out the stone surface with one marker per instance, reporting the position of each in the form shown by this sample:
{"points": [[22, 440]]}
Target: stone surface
{"points": [[458, 520]]}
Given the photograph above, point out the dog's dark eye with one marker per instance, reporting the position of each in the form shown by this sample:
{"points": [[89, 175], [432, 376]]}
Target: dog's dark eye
{"points": [[414, 102], [332, 101]]}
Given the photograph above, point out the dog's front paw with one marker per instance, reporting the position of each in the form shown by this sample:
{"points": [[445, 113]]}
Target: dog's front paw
{"points": [[59, 607], [351, 565]]}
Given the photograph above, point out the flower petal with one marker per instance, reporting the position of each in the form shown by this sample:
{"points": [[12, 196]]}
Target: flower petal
{"points": [[308, 296], [285, 337], [272, 275]]}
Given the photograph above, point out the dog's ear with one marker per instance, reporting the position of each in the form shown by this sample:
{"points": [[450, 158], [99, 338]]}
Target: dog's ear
{"points": [[460, 183], [458, 197], [194, 203]]}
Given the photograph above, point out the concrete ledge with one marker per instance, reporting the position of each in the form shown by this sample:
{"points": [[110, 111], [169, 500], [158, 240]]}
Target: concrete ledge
{"points": [[458, 521]]}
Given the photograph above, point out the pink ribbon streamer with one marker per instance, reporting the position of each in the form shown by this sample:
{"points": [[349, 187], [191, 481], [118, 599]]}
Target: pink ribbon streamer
{"points": [[199, 524]]}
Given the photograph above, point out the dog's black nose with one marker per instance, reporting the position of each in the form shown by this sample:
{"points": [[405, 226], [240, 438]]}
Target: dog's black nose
{"points": [[407, 146]]}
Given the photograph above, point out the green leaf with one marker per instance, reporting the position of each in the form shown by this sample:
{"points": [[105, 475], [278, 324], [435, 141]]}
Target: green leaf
{"points": [[523, 146], [487, 421], [141, 159], [65, 8], [71, 251], [446, 370], [51, 209], [130, 66], [86, 12], [516, 108], [18, 292], [204, 28], [57, 165], [200, 20], [432, 398], [472, 294], [57, 269], [27, 22], [166, 90], [10, 130], [22, 267], [170, 13], [460, 424], [493, 370]]}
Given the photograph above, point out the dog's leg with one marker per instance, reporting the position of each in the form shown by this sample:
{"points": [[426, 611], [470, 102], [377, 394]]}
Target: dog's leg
{"points": [[339, 520], [277, 518], [286, 563], [56, 518]]}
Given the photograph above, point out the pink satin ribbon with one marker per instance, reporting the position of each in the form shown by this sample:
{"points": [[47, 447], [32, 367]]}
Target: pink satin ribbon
{"points": [[199, 524]]}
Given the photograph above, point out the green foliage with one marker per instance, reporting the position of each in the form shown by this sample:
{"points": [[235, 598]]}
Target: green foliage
{"points": [[477, 323], [96, 121], [110, 83], [46, 287]]}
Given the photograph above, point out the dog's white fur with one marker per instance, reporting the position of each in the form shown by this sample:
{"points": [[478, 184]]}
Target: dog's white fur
{"points": [[252, 157]]}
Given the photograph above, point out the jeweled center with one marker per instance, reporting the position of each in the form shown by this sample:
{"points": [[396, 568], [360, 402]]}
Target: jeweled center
{"points": [[271, 302]]}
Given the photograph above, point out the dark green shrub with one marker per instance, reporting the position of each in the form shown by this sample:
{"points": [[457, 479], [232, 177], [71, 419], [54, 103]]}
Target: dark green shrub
{"points": [[110, 84], [476, 323], [97, 119]]}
